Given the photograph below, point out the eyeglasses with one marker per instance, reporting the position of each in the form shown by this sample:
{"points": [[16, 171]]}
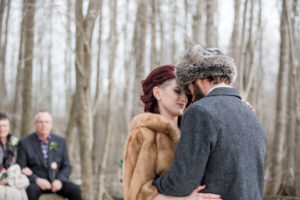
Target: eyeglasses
{"points": [[43, 122]]}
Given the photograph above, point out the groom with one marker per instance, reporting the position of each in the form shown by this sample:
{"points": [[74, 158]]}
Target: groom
{"points": [[222, 143], [47, 156]]}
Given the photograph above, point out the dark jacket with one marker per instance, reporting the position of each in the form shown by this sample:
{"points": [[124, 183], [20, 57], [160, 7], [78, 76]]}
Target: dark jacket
{"points": [[11, 154], [222, 145], [30, 155]]}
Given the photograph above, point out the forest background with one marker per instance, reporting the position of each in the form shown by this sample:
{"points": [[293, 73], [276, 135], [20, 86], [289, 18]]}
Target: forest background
{"points": [[83, 60]]}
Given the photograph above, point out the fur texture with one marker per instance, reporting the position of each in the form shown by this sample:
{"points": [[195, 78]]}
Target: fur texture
{"points": [[197, 62], [149, 152]]}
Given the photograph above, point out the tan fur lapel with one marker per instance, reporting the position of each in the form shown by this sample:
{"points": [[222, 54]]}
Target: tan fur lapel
{"points": [[155, 122]]}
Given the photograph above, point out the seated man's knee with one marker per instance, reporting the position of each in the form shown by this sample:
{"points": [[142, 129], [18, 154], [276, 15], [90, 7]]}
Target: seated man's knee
{"points": [[72, 189], [33, 191]]}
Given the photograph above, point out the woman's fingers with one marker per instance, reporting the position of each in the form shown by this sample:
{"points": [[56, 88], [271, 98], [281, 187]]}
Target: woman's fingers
{"points": [[199, 188], [208, 196]]}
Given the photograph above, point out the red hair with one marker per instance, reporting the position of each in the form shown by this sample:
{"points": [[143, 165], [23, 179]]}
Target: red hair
{"points": [[157, 77]]}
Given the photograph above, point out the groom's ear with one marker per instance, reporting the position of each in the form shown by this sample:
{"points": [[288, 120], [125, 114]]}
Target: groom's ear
{"points": [[156, 93]]}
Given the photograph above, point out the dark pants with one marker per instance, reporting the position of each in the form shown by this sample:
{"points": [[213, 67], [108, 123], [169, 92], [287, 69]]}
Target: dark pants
{"points": [[69, 190]]}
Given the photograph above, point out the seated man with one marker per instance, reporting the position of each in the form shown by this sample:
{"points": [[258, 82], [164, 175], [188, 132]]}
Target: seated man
{"points": [[47, 156]]}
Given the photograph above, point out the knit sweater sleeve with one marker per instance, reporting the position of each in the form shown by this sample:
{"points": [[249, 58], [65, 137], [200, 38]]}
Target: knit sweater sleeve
{"points": [[198, 136], [139, 165]]}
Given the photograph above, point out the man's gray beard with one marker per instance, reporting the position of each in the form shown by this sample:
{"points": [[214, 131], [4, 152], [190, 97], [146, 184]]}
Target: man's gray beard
{"points": [[198, 94]]}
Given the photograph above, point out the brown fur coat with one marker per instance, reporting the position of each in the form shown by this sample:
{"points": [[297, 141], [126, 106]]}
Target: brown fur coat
{"points": [[149, 152]]}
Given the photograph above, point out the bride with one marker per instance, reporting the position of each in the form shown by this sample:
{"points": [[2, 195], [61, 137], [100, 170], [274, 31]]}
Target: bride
{"points": [[151, 143]]}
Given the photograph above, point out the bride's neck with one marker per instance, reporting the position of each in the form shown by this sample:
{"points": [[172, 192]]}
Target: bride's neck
{"points": [[173, 120]]}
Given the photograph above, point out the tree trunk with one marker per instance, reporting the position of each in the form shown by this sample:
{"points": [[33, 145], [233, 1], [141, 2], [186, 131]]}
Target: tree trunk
{"points": [[173, 32], [68, 58], [139, 40], [242, 53], [18, 86], [99, 42], [153, 34], [211, 35], [161, 32], [3, 55], [84, 30], [234, 42], [127, 64], [197, 21], [49, 67], [28, 58], [113, 42], [95, 155], [249, 61], [281, 109], [259, 93], [288, 177], [186, 10], [2, 66]]}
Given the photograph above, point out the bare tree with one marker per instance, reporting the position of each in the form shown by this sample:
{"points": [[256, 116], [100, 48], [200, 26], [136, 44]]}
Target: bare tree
{"points": [[186, 12], [127, 64], [240, 82], [18, 85], [139, 52], [210, 35], [113, 42], [68, 57], [234, 50], [161, 33], [49, 67], [4, 49], [28, 57], [197, 21], [95, 156], [99, 42], [288, 175], [248, 66], [2, 66], [281, 106], [153, 34], [173, 32], [84, 30]]}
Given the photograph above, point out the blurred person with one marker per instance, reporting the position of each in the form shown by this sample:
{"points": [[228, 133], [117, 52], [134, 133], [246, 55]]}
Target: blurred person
{"points": [[222, 143], [46, 154], [12, 182], [153, 136]]}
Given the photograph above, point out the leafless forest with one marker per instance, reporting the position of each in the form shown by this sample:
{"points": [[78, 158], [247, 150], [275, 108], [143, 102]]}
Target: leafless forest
{"points": [[83, 60]]}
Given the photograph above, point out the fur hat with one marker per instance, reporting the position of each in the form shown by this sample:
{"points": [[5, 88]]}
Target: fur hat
{"points": [[197, 62]]}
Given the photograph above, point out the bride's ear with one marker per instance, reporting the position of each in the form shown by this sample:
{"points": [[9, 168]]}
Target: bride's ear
{"points": [[156, 93]]}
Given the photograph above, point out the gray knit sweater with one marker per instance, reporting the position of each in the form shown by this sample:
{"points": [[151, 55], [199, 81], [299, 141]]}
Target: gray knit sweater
{"points": [[222, 145]]}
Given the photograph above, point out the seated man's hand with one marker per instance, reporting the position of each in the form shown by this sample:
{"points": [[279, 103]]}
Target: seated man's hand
{"points": [[43, 184], [27, 171], [56, 185], [4, 182]]}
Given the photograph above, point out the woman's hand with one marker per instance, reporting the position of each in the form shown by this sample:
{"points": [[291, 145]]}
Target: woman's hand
{"points": [[4, 182], [195, 195], [249, 105]]}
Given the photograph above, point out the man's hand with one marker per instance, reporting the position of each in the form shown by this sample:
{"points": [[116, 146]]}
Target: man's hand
{"points": [[43, 184], [56, 185], [27, 171]]}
